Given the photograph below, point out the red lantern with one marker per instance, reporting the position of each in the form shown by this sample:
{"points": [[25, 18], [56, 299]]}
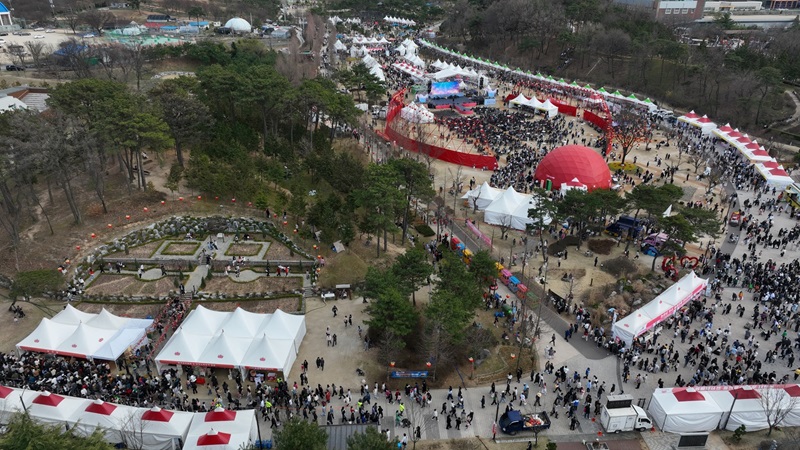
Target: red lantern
{"points": [[295, 230], [249, 203], [128, 217], [513, 356], [78, 247], [600, 433], [110, 226], [163, 202], [594, 419], [145, 209], [233, 200], [199, 197], [180, 199], [93, 235], [216, 198], [285, 222], [391, 364], [428, 364]]}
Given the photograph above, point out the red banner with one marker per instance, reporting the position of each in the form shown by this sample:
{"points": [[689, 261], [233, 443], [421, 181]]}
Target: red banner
{"points": [[564, 108], [663, 316], [478, 233]]}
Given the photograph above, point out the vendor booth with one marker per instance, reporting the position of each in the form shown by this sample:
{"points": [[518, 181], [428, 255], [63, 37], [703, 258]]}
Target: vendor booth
{"points": [[659, 309], [684, 410]]}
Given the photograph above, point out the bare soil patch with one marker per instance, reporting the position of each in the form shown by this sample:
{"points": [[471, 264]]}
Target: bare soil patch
{"points": [[288, 304], [263, 284], [245, 249], [140, 251], [131, 309], [113, 284], [279, 251], [180, 248]]}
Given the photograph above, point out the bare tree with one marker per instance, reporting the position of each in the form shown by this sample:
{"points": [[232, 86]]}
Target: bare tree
{"points": [[37, 49], [131, 431], [97, 19], [72, 18], [777, 404], [17, 53], [505, 226], [629, 129]]}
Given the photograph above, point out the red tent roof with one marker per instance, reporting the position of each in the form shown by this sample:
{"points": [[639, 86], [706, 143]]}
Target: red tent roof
{"points": [[753, 145], [779, 172], [793, 390], [726, 128], [771, 164], [734, 134], [744, 140], [101, 407], [744, 394], [691, 115], [704, 119], [220, 415], [5, 392], [565, 163], [214, 438], [760, 153], [48, 399], [686, 395], [157, 414]]}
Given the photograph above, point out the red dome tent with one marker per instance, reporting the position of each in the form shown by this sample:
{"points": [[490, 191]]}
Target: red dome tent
{"points": [[574, 161]]}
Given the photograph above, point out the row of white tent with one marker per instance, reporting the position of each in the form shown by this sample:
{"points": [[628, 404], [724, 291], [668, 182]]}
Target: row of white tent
{"points": [[493, 65], [505, 207], [447, 70], [768, 167], [704, 409], [399, 20], [374, 67], [148, 429], [361, 40], [659, 309], [75, 333], [337, 20], [547, 106], [416, 113], [236, 340], [409, 69]]}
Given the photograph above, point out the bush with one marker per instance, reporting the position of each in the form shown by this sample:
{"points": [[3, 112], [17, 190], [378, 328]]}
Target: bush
{"points": [[627, 167], [601, 246], [739, 433], [620, 267], [561, 245], [424, 230]]}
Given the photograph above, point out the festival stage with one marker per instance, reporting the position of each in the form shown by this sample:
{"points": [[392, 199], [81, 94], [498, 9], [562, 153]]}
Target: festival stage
{"points": [[394, 133]]}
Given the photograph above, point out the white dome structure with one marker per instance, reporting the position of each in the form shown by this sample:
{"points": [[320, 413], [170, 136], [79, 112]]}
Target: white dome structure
{"points": [[239, 25]]}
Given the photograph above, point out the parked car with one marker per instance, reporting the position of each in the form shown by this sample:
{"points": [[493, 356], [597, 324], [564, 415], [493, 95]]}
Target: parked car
{"points": [[38, 36], [49, 30], [13, 68], [39, 29]]}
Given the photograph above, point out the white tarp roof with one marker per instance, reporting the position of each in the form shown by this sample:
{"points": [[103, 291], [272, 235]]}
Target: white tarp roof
{"points": [[483, 195], [222, 429], [231, 339], [684, 410], [55, 409], [503, 209], [661, 307], [93, 336]]}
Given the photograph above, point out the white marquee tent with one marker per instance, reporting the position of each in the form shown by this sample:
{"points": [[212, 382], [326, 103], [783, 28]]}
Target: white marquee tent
{"points": [[703, 122], [160, 429], [745, 410], [684, 410], [483, 195], [56, 410], [92, 336], [415, 113], [222, 429], [648, 316], [235, 340], [511, 209]]}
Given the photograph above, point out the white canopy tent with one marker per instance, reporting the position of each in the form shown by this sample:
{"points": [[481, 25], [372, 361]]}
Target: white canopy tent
{"points": [[684, 410], [573, 184], [510, 208], [483, 195], [648, 316], [222, 429], [12, 401], [231, 339], [703, 122], [92, 336], [56, 410], [549, 108], [415, 113], [741, 406], [108, 418], [776, 176], [160, 429]]}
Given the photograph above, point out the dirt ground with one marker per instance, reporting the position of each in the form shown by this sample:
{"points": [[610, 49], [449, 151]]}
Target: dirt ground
{"points": [[112, 284], [262, 284]]}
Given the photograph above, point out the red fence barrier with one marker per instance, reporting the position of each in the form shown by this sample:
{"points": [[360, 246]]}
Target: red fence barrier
{"points": [[564, 108], [600, 122], [486, 162]]}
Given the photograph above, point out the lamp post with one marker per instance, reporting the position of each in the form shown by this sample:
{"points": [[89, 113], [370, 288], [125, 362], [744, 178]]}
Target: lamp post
{"points": [[472, 365]]}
